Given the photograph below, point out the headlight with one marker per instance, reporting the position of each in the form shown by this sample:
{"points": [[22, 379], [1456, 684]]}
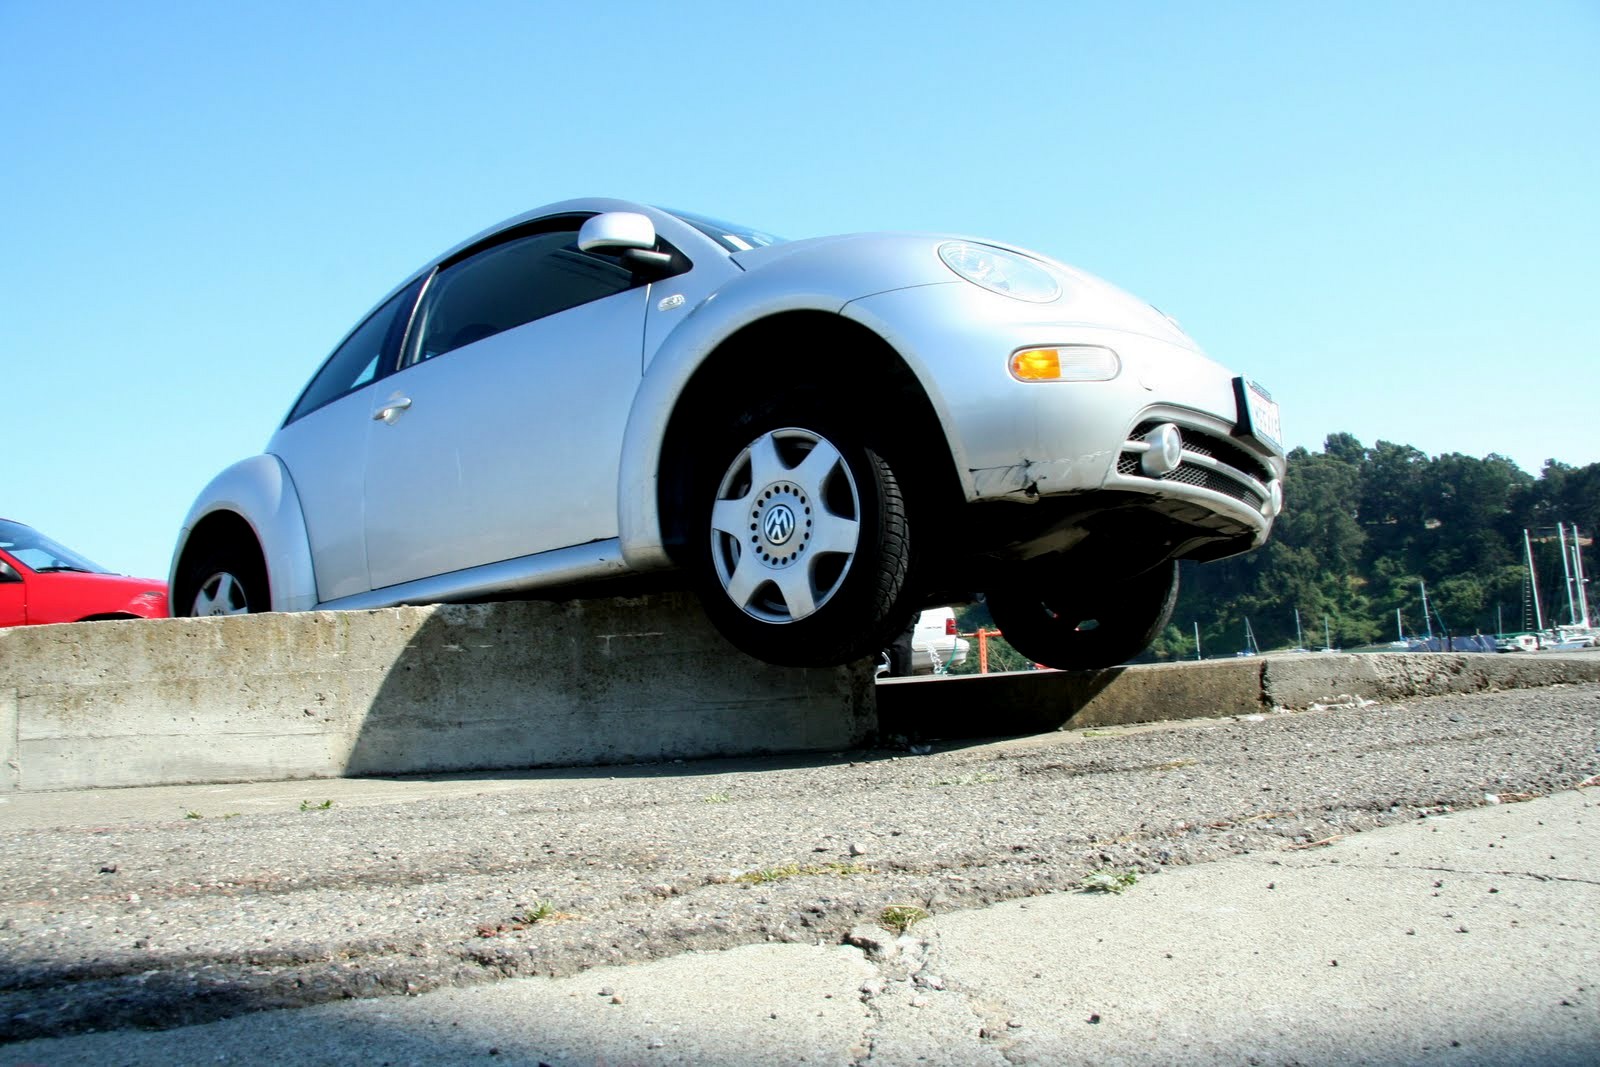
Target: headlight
{"points": [[1000, 271]]}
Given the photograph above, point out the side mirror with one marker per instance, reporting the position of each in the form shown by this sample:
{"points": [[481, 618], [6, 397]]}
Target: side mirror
{"points": [[8, 573], [617, 230], [632, 236]]}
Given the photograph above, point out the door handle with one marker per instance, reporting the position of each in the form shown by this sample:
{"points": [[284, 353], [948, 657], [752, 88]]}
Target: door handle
{"points": [[390, 411]]}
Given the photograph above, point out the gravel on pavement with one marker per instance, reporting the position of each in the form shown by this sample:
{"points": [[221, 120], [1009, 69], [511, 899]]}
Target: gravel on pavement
{"points": [[114, 914]]}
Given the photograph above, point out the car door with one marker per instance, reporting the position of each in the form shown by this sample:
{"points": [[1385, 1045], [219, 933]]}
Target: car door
{"points": [[323, 444], [13, 592], [501, 433]]}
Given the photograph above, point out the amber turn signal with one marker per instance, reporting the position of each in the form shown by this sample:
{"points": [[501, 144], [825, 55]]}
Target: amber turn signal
{"points": [[1065, 363]]}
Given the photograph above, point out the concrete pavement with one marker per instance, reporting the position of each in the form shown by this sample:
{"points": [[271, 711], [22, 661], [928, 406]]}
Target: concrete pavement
{"points": [[1468, 938]]}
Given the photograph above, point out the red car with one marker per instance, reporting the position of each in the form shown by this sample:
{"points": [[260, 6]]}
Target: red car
{"points": [[40, 581]]}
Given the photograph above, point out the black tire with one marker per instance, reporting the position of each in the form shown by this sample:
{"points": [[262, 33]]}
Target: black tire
{"points": [[773, 571], [224, 580], [1061, 620]]}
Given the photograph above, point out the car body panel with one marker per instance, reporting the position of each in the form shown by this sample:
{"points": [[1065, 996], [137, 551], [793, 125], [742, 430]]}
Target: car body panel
{"points": [[52, 598], [468, 476], [502, 476], [595, 561], [332, 506], [1027, 440], [820, 275], [260, 491]]}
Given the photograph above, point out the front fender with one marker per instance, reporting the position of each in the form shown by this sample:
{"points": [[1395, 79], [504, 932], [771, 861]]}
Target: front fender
{"points": [[260, 491], [823, 274]]}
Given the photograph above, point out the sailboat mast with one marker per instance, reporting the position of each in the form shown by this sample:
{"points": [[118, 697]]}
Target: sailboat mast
{"points": [[1566, 574], [1299, 638], [1427, 616], [1533, 582], [1577, 566]]}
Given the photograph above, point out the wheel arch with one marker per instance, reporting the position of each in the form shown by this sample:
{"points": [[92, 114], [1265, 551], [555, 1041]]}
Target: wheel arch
{"points": [[254, 499], [780, 354]]}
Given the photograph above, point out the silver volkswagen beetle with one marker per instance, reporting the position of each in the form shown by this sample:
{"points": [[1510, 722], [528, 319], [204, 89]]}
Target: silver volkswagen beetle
{"points": [[821, 436]]}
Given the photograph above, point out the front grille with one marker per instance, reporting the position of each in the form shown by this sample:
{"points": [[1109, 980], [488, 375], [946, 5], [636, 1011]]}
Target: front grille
{"points": [[1218, 448], [1199, 443]]}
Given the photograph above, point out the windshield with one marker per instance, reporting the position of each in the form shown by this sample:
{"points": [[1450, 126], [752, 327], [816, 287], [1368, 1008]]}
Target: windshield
{"points": [[729, 235], [38, 553]]}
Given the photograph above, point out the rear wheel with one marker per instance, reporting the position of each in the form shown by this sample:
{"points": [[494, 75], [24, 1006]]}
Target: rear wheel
{"points": [[804, 540], [1061, 619], [229, 580]]}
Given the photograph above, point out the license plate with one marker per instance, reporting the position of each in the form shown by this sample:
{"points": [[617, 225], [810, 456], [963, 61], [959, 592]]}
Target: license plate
{"points": [[1258, 413]]}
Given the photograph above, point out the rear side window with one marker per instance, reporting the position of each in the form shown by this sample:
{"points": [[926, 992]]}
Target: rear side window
{"points": [[364, 356], [509, 284]]}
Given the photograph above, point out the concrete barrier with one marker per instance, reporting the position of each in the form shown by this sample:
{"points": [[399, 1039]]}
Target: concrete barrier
{"points": [[520, 685], [405, 690], [1033, 701], [1298, 681]]}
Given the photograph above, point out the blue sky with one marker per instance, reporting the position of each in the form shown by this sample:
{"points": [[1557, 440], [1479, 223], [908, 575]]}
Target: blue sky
{"points": [[1388, 213]]}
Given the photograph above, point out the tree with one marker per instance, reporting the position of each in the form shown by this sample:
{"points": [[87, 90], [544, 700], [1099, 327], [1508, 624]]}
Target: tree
{"points": [[1362, 528]]}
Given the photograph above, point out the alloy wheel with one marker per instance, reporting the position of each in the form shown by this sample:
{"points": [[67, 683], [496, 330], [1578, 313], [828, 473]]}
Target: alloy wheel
{"points": [[785, 525], [221, 594]]}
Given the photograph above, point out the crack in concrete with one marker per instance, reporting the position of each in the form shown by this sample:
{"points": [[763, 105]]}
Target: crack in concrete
{"points": [[1535, 875]]}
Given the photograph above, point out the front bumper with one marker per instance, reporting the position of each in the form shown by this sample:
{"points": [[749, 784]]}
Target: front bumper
{"points": [[1033, 441]]}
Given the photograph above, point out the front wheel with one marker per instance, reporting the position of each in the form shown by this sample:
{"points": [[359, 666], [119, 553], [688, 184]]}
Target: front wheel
{"points": [[804, 549], [1073, 623]]}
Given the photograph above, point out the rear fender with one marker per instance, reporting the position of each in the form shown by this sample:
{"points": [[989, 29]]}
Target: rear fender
{"points": [[260, 491]]}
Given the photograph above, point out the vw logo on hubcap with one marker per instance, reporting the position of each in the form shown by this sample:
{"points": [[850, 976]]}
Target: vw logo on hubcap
{"points": [[779, 524]]}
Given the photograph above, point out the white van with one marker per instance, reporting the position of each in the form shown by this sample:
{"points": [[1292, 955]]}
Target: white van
{"points": [[935, 646]]}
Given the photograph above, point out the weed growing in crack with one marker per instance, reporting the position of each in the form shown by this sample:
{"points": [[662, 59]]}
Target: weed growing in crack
{"points": [[540, 911], [796, 870], [975, 778], [1107, 881], [901, 917]]}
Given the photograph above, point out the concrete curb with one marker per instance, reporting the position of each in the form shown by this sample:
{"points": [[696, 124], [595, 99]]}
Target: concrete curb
{"points": [[580, 683], [1302, 680], [1032, 701], [401, 691]]}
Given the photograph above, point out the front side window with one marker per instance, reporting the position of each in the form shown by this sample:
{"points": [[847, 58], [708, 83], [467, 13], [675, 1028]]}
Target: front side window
{"points": [[732, 236], [364, 355], [511, 283]]}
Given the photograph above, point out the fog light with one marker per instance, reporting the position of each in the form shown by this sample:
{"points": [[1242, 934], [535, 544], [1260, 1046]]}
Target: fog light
{"points": [[1065, 363], [1165, 452]]}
